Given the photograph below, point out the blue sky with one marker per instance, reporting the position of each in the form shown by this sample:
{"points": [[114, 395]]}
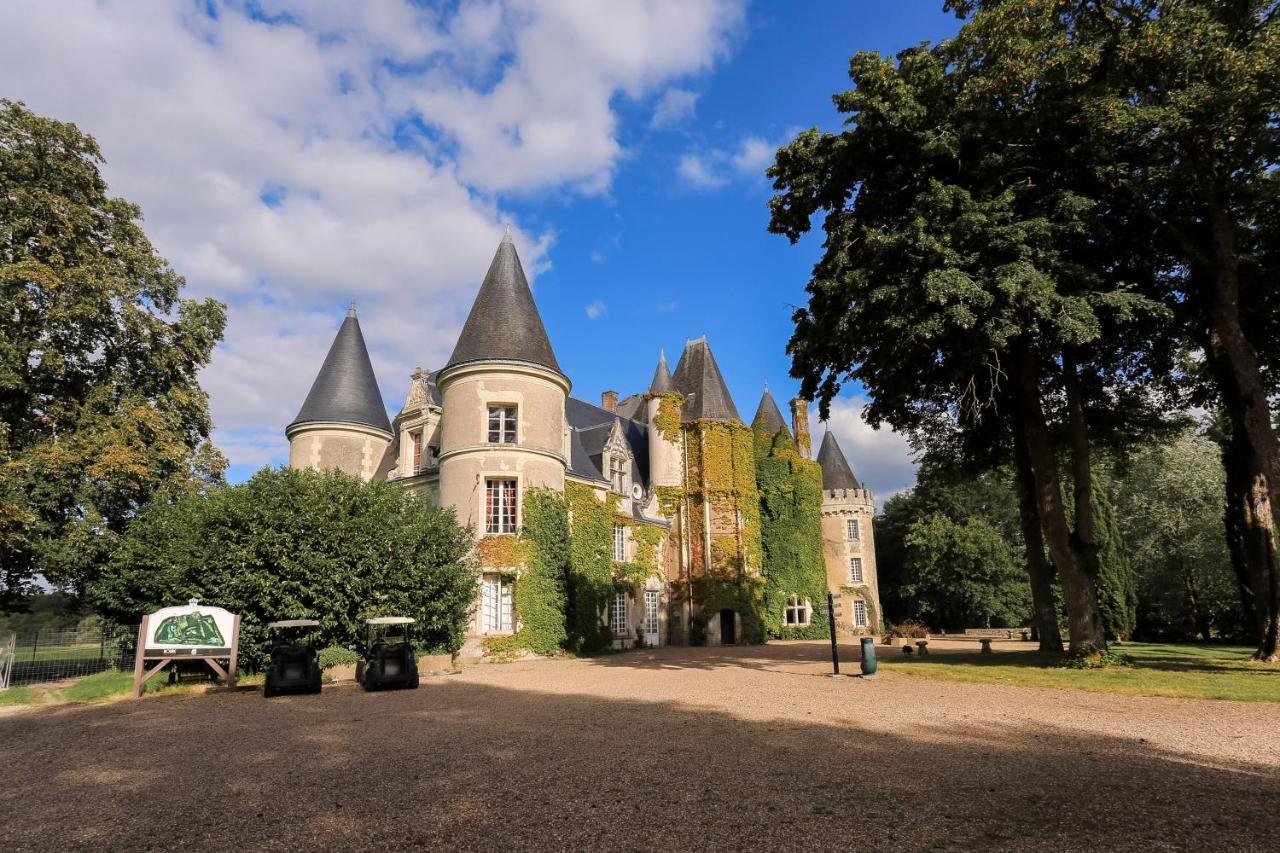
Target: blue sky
{"points": [[292, 155]]}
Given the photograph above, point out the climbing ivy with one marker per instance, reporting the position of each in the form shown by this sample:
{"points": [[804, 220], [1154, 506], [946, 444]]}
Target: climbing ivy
{"points": [[667, 419], [743, 595], [590, 578], [873, 615], [540, 585], [791, 535]]}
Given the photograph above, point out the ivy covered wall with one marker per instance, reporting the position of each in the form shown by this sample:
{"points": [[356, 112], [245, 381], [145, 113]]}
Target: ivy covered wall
{"points": [[791, 534]]}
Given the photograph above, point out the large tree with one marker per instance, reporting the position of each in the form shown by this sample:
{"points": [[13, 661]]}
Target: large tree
{"points": [[100, 408], [967, 269]]}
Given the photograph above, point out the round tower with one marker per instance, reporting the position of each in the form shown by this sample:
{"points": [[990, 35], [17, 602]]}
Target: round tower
{"points": [[502, 396], [343, 423], [848, 542], [662, 411]]}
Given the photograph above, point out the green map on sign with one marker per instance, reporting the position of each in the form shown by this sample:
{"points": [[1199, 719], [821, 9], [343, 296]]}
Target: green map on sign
{"points": [[190, 629]]}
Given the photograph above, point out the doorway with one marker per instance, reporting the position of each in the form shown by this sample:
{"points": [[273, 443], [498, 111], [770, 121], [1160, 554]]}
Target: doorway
{"points": [[728, 634], [651, 617]]}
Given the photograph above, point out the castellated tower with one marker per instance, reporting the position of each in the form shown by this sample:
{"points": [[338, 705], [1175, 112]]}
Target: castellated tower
{"points": [[343, 423], [666, 455], [848, 543], [502, 431]]}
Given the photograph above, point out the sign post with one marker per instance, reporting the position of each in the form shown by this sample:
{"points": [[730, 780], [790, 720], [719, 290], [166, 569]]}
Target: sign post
{"points": [[192, 632], [831, 620]]}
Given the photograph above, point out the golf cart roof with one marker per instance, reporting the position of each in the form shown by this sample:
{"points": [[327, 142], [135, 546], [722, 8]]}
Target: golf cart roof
{"points": [[294, 623], [390, 620]]}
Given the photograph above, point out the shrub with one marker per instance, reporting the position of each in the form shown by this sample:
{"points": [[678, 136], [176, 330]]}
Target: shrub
{"points": [[337, 656], [905, 630], [1090, 657], [292, 544]]}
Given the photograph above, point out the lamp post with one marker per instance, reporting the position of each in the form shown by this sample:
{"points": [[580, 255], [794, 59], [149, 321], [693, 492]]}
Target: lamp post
{"points": [[831, 620]]}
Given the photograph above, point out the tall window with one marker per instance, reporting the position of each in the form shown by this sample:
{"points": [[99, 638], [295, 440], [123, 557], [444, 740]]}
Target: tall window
{"points": [[619, 543], [855, 570], [417, 451], [500, 506], [502, 424], [853, 529], [616, 471], [860, 614], [496, 604], [618, 616], [651, 613], [797, 612]]}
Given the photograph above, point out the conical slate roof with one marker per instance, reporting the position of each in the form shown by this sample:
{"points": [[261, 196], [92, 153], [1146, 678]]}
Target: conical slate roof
{"points": [[698, 378], [769, 416], [504, 323], [345, 390], [836, 473], [662, 382]]}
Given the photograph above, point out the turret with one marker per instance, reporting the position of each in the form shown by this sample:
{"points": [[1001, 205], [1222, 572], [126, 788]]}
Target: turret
{"points": [[848, 541], [343, 422], [662, 411], [767, 423], [503, 396]]}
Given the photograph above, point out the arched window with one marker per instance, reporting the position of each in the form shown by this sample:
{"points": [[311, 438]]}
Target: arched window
{"points": [[797, 612]]}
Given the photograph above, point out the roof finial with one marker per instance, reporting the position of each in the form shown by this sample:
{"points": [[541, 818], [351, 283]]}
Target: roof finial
{"points": [[506, 234], [351, 312]]}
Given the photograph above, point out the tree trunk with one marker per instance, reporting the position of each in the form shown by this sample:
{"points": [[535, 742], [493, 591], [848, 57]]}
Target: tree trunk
{"points": [[1198, 617], [1084, 620], [1045, 615], [1233, 516], [1245, 396], [1083, 537]]}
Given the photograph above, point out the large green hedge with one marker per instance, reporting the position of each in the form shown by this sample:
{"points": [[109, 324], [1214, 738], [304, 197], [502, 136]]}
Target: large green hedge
{"points": [[291, 544]]}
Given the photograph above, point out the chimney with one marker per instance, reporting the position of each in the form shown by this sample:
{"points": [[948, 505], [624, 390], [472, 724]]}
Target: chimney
{"points": [[800, 426], [609, 401]]}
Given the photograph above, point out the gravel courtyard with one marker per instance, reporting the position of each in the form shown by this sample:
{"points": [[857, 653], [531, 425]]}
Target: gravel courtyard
{"points": [[715, 749]]}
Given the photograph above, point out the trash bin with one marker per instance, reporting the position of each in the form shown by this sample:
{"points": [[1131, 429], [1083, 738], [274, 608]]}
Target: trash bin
{"points": [[868, 657]]}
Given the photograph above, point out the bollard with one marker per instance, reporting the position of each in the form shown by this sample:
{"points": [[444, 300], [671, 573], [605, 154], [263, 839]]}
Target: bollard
{"points": [[831, 620], [868, 657]]}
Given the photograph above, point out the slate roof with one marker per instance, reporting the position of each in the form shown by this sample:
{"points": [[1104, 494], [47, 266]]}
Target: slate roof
{"points": [[769, 416], [698, 378], [589, 428], [504, 322], [662, 381], [836, 473], [345, 390]]}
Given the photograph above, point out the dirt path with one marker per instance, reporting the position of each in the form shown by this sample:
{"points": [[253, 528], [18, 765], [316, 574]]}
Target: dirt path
{"points": [[671, 749]]}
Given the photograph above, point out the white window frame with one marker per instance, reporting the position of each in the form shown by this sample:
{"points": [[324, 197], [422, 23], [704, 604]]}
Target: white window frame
{"points": [[619, 543], [502, 426], [855, 570], [501, 518], [497, 606], [798, 612], [853, 529], [618, 622], [651, 611], [860, 614]]}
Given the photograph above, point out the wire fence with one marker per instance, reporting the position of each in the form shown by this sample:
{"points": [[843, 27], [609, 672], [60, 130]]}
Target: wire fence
{"points": [[7, 640], [54, 655]]}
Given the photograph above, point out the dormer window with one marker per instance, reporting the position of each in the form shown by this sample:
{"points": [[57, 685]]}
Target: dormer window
{"points": [[618, 472], [502, 424], [416, 435]]}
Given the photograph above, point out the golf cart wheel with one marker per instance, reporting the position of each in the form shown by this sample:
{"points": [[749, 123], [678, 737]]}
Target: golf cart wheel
{"points": [[268, 690], [412, 683]]}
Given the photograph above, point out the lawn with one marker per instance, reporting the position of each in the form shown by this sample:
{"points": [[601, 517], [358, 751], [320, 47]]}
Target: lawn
{"points": [[111, 684], [1184, 671]]}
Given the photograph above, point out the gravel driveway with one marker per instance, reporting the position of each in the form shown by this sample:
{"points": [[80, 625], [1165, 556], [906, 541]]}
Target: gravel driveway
{"points": [[676, 749]]}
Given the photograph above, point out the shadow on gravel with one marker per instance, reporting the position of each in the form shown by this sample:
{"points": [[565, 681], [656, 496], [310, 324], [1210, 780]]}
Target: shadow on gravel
{"points": [[472, 766]]}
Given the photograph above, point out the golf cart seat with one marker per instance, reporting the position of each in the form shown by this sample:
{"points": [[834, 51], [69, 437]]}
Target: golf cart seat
{"points": [[295, 665]]}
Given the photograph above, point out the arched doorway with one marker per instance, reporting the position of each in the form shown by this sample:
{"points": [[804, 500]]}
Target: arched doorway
{"points": [[728, 627]]}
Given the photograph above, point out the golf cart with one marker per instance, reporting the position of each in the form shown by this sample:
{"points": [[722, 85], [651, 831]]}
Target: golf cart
{"points": [[294, 666], [389, 657]]}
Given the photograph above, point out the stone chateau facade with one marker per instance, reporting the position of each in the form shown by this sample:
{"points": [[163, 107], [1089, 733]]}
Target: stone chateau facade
{"points": [[498, 419]]}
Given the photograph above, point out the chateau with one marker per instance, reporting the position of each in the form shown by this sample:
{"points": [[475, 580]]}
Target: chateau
{"points": [[719, 532]]}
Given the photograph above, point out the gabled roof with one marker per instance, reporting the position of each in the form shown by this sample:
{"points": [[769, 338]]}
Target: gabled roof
{"points": [[590, 427], [698, 378], [662, 382], [504, 323], [345, 390], [836, 473], [769, 417]]}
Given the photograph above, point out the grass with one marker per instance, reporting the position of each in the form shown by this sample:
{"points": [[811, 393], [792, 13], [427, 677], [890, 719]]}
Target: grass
{"points": [[18, 696], [104, 686], [1158, 669]]}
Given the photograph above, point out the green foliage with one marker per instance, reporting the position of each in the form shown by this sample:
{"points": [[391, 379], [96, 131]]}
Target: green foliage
{"points": [[1088, 657], [667, 420], [294, 544], [336, 656], [100, 407], [55, 611], [590, 580], [950, 553], [540, 594], [745, 596], [1117, 583], [791, 536]]}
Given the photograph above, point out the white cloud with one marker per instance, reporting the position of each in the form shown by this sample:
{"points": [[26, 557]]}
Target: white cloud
{"points": [[753, 155], [596, 310], [699, 172], [291, 157], [881, 459], [675, 105]]}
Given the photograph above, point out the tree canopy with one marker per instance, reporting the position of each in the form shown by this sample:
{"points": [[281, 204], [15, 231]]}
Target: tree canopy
{"points": [[100, 408]]}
